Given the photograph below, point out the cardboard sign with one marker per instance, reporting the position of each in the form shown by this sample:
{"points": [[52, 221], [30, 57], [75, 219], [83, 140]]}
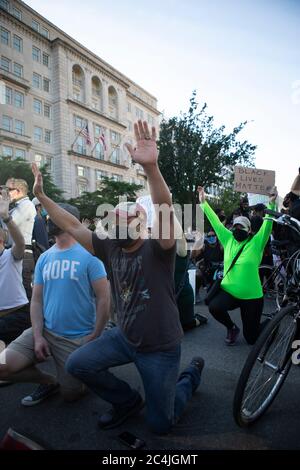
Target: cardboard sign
{"points": [[253, 180], [257, 199]]}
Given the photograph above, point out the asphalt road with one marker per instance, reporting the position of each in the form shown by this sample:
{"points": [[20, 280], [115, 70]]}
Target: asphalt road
{"points": [[207, 424]]}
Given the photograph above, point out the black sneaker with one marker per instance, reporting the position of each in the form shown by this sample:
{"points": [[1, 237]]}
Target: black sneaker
{"points": [[41, 393], [197, 362], [116, 416], [232, 335]]}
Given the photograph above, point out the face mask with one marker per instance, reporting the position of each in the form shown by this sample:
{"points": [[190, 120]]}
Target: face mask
{"points": [[239, 234], [211, 240], [53, 230]]}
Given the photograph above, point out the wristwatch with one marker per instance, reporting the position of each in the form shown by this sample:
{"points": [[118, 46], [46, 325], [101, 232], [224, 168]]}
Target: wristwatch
{"points": [[7, 220]]}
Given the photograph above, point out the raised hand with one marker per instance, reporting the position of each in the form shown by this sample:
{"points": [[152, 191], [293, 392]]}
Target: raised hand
{"points": [[4, 204], [38, 181], [145, 153], [201, 194], [273, 194]]}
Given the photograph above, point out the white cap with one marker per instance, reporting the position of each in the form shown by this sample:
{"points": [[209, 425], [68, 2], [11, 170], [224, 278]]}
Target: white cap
{"points": [[243, 221], [36, 202]]}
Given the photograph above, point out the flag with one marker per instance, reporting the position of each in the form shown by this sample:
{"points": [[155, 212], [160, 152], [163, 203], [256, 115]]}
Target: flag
{"points": [[102, 140], [85, 133]]}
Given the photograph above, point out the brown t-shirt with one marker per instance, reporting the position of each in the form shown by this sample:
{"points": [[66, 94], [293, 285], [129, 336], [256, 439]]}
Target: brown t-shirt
{"points": [[142, 285]]}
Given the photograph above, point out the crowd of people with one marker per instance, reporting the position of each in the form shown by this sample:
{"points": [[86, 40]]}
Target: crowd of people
{"points": [[61, 283]]}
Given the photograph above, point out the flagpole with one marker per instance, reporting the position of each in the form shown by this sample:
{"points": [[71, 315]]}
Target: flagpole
{"points": [[72, 146]]}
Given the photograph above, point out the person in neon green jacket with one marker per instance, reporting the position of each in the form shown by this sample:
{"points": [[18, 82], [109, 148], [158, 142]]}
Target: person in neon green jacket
{"points": [[241, 287]]}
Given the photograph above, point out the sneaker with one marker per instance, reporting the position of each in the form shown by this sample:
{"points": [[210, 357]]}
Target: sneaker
{"points": [[41, 393], [232, 334], [13, 440], [116, 416], [200, 319]]}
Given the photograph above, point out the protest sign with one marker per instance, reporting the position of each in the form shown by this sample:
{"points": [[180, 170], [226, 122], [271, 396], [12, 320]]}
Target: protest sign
{"points": [[253, 180]]}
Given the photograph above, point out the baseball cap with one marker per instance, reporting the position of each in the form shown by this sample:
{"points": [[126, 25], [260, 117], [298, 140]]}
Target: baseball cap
{"points": [[128, 209], [243, 221], [71, 209]]}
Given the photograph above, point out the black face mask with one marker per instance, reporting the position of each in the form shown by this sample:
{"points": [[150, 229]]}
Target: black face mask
{"points": [[123, 242], [53, 230], [240, 235]]}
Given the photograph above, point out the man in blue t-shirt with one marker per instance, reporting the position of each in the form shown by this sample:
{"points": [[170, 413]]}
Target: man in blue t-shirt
{"points": [[69, 307]]}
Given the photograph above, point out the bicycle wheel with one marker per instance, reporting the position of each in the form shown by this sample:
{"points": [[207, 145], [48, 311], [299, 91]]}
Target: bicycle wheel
{"points": [[266, 368], [273, 284]]}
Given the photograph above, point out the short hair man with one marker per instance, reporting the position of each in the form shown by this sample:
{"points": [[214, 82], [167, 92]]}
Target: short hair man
{"points": [[23, 214], [14, 307], [69, 307]]}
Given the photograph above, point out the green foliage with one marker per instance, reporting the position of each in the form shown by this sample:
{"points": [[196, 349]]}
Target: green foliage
{"points": [[194, 152], [20, 168], [109, 193], [228, 200]]}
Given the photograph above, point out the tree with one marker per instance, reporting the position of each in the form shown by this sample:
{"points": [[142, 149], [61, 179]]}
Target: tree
{"points": [[194, 152], [228, 200], [19, 168], [109, 193]]}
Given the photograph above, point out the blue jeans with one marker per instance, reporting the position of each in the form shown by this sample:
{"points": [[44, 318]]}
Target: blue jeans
{"points": [[166, 395]]}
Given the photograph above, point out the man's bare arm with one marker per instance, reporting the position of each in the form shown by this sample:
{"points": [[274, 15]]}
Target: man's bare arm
{"points": [[14, 231], [36, 311], [102, 291], [63, 219]]}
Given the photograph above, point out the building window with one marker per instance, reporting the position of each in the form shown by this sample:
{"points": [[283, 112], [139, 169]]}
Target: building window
{"points": [[35, 25], [80, 145], [18, 70], [5, 64], [45, 32], [38, 159], [49, 163], [114, 137], [18, 43], [7, 152], [20, 153], [46, 84], [4, 4], [100, 174], [37, 106], [7, 123], [139, 113], [19, 100], [115, 177], [5, 37], [129, 107], [113, 102], [36, 54], [129, 126], [47, 110], [78, 83], [8, 95], [99, 151], [38, 134], [82, 188], [19, 127], [17, 13], [36, 80], [48, 136], [81, 171], [79, 122], [45, 59], [97, 130], [115, 156]]}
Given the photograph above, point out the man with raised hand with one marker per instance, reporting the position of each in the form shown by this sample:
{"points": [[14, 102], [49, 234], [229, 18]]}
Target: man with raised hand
{"points": [[14, 307], [149, 333]]}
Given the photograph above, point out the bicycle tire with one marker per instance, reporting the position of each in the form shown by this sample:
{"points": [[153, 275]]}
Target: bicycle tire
{"points": [[271, 329]]}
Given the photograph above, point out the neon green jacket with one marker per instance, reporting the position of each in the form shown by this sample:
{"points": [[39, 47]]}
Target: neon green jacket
{"points": [[243, 280]]}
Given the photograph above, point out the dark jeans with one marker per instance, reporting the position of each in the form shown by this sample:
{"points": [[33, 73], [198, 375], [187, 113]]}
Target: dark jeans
{"points": [[14, 323], [27, 273], [251, 311], [166, 394]]}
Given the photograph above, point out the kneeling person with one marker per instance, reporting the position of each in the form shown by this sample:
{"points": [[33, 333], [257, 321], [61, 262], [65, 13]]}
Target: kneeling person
{"points": [[69, 307]]}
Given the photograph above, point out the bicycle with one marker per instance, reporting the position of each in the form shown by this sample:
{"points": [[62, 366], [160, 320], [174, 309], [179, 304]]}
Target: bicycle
{"points": [[270, 359]]}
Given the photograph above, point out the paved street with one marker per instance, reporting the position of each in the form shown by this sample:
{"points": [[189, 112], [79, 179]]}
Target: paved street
{"points": [[207, 423]]}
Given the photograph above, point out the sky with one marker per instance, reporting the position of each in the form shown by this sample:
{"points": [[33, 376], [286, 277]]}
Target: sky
{"points": [[242, 57]]}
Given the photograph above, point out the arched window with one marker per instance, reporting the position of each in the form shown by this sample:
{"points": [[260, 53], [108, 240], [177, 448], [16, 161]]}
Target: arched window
{"points": [[113, 102], [96, 93], [78, 83]]}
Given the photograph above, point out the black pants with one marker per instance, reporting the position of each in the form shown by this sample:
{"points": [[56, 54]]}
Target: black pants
{"points": [[28, 271], [251, 311], [13, 324]]}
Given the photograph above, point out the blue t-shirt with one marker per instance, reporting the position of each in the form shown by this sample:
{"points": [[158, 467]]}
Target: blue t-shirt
{"points": [[68, 297]]}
